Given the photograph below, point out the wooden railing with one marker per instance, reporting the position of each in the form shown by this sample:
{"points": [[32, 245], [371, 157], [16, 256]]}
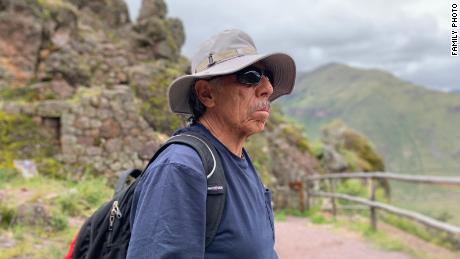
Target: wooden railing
{"points": [[373, 204]]}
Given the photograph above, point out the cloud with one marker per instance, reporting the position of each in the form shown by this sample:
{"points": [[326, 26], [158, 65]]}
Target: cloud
{"points": [[409, 38]]}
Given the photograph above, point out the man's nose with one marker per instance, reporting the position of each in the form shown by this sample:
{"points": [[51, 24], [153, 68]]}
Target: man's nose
{"points": [[265, 88]]}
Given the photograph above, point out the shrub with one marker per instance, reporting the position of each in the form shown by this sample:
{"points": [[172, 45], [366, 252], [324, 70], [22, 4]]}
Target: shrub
{"points": [[7, 215]]}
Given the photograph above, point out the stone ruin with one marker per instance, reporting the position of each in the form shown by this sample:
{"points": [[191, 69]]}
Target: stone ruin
{"points": [[99, 127], [84, 61]]}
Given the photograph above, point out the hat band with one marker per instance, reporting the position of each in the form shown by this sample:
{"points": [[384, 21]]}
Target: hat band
{"points": [[219, 57]]}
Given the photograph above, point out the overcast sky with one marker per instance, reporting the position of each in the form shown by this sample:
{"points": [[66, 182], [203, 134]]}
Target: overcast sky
{"points": [[409, 38]]}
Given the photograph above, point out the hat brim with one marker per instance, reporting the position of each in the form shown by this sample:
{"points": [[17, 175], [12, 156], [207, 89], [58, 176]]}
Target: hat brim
{"points": [[281, 65]]}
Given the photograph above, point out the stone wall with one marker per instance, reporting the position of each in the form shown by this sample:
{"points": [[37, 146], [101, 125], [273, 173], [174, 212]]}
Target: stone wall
{"points": [[100, 128]]}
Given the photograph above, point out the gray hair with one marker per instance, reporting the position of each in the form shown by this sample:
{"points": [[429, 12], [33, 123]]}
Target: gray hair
{"points": [[198, 108]]}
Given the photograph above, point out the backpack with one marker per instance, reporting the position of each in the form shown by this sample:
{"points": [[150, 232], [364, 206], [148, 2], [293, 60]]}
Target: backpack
{"points": [[106, 233]]}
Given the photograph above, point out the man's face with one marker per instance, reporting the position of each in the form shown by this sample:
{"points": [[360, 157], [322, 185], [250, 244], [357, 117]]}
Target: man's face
{"points": [[241, 107]]}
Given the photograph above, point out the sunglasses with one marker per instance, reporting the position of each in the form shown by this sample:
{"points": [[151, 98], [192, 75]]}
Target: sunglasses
{"points": [[252, 75]]}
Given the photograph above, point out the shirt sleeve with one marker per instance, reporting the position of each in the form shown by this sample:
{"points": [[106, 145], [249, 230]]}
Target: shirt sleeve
{"points": [[170, 215]]}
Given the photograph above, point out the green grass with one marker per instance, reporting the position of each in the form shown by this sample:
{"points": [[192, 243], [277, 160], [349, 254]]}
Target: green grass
{"points": [[62, 198], [428, 234], [379, 238], [313, 214], [33, 242]]}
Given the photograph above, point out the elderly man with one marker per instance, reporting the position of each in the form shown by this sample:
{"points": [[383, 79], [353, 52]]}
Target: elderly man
{"points": [[228, 96]]}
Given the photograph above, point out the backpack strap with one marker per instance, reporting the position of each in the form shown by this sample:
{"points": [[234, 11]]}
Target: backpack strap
{"points": [[216, 182]]}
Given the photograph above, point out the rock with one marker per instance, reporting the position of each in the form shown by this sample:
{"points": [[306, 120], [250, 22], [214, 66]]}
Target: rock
{"points": [[104, 113], [69, 158], [148, 149], [85, 140], [113, 145], [64, 24], [68, 64], [51, 108], [95, 101], [113, 12], [82, 123], [152, 8], [116, 166], [90, 112], [155, 34], [95, 124], [164, 49], [133, 144], [69, 140], [110, 129], [177, 31], [20, 38], [26, 168], [61, 88], [334, 161], [34, 214], [94, 151]]}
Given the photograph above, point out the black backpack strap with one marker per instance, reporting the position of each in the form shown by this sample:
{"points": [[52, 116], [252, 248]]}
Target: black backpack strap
{"points": [[216, 182]]}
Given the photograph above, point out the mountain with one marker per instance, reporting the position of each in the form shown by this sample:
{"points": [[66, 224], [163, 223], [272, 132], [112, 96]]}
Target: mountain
{"points": [[413, 128]]}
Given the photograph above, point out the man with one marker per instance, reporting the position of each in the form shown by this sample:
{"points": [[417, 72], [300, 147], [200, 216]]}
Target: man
{"points": [[228, 95]]}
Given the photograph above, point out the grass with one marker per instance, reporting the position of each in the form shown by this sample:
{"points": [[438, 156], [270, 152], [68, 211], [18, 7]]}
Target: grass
{"points": [[430, 235], [314, 215], [34, 242], [63, 199]]}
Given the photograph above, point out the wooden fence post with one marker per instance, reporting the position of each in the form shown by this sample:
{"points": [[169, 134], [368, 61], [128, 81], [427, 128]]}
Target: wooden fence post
{"points": [[373, 210], [307, 192], [301, 197], [334, 206]]}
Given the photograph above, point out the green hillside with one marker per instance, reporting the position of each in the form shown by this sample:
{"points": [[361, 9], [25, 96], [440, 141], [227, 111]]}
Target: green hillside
{"points": [[414, 129]]}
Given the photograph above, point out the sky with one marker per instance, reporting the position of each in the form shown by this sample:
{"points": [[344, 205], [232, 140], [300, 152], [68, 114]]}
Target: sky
{"points": [[409, 38]]}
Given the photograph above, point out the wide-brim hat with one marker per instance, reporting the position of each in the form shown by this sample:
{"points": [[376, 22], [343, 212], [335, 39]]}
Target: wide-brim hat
{"points": [[226, 53]]}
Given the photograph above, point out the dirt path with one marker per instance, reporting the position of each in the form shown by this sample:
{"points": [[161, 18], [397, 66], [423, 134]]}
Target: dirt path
{"points": [[297, 238]]}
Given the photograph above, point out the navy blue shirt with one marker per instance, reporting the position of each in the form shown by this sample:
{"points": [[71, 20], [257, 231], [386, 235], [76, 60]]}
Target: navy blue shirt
{"points": [[169, 208]]}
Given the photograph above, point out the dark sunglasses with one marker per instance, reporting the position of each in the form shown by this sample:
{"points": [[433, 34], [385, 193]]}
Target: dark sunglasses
{"points": [[252, 75]]}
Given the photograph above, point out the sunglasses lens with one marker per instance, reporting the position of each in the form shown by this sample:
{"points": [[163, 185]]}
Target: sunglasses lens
{"points": [[269, 75], [249, 77]]}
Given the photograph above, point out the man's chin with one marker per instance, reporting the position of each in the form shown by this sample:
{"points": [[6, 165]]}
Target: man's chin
{"points": [[261, 116], [260, 126]]}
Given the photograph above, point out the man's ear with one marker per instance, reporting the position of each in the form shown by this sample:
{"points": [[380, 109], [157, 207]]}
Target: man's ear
{"points": [[204, 93]]}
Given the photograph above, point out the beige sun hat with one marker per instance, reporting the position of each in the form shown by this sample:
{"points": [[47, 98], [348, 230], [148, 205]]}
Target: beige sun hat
{"points": [[226, 53]]}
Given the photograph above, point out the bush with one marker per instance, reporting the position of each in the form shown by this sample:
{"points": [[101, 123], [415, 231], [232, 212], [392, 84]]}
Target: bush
{"points": [[7, 215], [351, 187], [94, 191], [280, 215], [52, 168], [71, 204], [59, 221], [6, 175], [318, 219]]}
